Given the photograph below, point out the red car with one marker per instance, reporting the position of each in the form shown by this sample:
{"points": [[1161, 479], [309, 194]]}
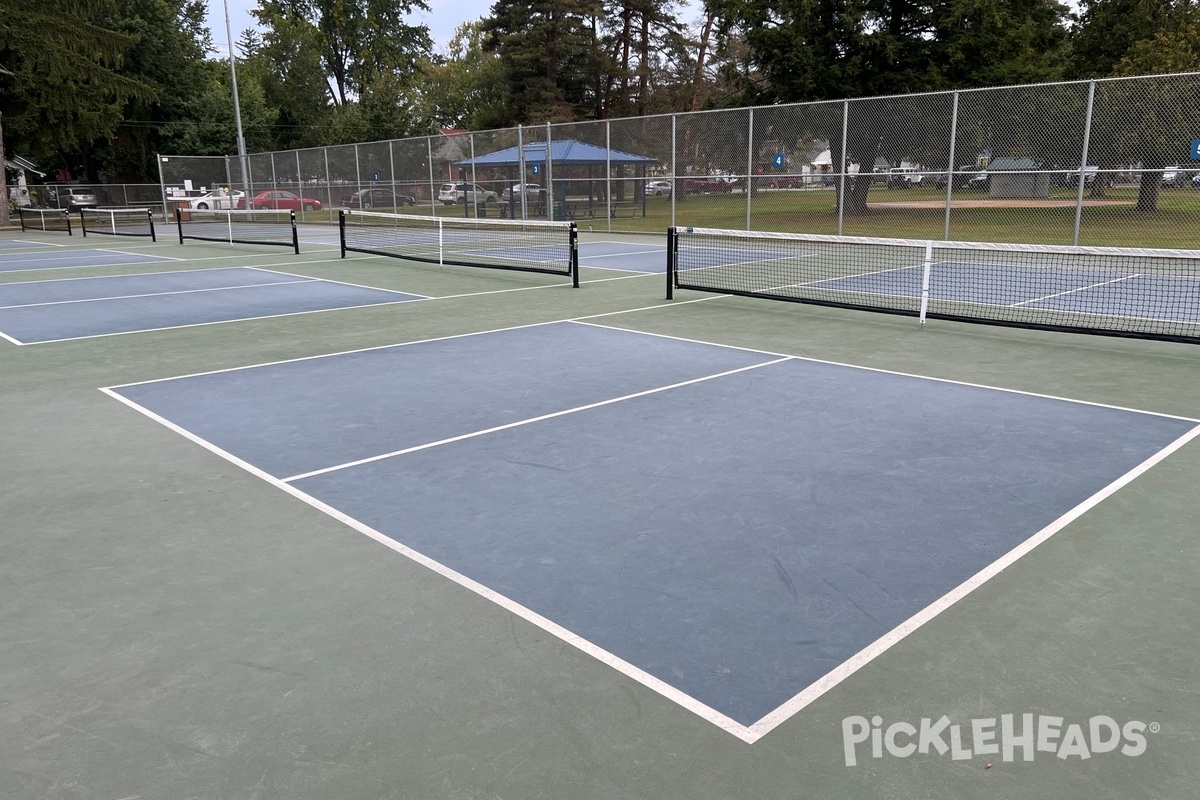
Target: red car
{"points": [[707, 186], [278, 199], [787, 182]]}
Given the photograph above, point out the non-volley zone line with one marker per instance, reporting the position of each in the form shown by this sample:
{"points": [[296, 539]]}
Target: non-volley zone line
{"points": [[48, 311]]}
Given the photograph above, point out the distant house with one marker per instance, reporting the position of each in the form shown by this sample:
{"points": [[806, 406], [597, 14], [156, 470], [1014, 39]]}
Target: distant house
{"points": [[1017, 177], [15, 178]]}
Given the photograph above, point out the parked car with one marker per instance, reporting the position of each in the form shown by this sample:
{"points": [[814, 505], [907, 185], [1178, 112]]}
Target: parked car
{"points": [[452, 193], [1196, 181], [71, 198], [377, 198], [707, 186], [216, 200], [1174, 176], [962, 177], [904, 178], [531, 191], [277, 199], [658, 188], [787, 182]]}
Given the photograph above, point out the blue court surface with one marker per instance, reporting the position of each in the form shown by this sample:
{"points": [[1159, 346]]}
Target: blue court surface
{"points": [[1100, 292], [63, 259], [629, 257], [54, 310], [730, 527]]}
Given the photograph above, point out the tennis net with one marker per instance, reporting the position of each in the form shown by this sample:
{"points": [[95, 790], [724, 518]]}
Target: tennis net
{"points": [[550, 247], [1145, 293], [45, 219], [269, 227], [118, 222]]}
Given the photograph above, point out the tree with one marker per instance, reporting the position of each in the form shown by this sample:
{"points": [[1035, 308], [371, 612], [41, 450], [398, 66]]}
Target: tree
{"points": [[467, 87], [64, 87], [354, 40]]}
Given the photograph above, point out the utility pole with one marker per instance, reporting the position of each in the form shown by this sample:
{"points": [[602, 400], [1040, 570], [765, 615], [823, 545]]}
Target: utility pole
{"points": [[237, 113]]}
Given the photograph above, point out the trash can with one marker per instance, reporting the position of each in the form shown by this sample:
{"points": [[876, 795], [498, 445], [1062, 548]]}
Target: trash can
{"points": [[185, 212], [481, 209]]}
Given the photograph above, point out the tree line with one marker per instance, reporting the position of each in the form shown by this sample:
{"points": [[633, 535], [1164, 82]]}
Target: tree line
{"points": [[93, 89]]}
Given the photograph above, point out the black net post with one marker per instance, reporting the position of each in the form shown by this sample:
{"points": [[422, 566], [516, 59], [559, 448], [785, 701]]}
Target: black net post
{"points": [[342, 230], [83, 223], [672, 244], [179, 223], [295, 235], [150, 219], [574, 256]]}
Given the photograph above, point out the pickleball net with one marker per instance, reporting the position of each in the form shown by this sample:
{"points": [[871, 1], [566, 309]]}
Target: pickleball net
{"points": [[267, 227], [118, 222], [44, 219], [527, 246], [1137, 292]]}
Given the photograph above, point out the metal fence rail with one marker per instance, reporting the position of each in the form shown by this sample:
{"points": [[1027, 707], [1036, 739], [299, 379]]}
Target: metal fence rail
{"points": [[1105, 162]]}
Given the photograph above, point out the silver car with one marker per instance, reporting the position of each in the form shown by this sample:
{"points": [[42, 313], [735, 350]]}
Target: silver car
{"points": [[452, 193]]}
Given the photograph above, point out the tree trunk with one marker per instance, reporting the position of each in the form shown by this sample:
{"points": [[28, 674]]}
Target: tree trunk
{"points": [[857, 187], [1148, 187]]}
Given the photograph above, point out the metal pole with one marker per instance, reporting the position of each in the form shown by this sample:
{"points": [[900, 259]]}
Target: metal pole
{"points": [[162, 184], [749, 164], [392, 169], [674, 167], [950, 168], [549, 176], [432, 190], [471, 137], [1087, 135], [842, 168], [328, 182], [299, 179], [237, 108], [608, 201], [521, 164]]}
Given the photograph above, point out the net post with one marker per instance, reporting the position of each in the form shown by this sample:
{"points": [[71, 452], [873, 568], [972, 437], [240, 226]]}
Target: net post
{"points": [[574, 256], [342, 230], [295, 235], [150, 219], [925, 280], [21, 217], [68, 216], [179, 223], [672, 242], [82, 222]]}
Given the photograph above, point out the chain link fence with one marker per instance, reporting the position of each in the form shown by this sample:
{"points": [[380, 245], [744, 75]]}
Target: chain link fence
{"points": [[1105, 162]]}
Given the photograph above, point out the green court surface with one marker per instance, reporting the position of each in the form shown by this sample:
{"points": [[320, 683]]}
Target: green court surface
{"points": [[173, 626]]}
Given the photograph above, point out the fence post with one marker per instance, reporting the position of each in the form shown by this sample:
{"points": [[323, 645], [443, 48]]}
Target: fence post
{"points": [[674, 169], [328, 183], [950, 168], [162, 184], [608, 201], [1087, 135], [749, 164], [471, 138], [550, 178], [299, 178], [392, 169], [432, 189], [521, 167], [842, 166]]}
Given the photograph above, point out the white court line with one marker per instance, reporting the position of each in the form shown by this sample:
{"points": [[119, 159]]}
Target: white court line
{"points": [[160, 294], [119, 275], [330, 280], [1072, 291], [600, 654], [901, 631], [520, 423], [224, 321]]}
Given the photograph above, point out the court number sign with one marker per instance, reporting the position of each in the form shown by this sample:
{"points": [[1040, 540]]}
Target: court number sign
{"points": [[1195, 150], [779, 161]]}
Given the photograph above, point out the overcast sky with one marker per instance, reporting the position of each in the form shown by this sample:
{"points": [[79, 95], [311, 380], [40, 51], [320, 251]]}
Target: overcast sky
{"points": [[446, 15]]}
